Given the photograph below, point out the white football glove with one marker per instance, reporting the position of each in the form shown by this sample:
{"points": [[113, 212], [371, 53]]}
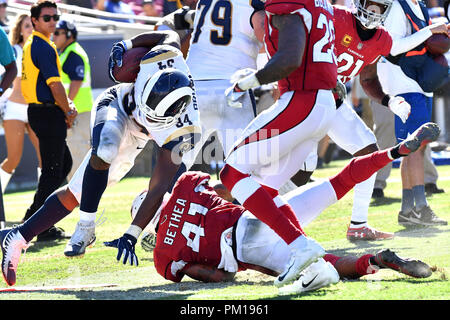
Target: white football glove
{"points": [[400, 107], [242, 80]]}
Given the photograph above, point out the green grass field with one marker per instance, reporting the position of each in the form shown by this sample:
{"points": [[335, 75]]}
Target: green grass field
{"points": [[44, 264]]}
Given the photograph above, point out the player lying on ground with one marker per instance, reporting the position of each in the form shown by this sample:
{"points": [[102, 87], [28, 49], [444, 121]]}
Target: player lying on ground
{"points": [[201, 235], [127, 116]]}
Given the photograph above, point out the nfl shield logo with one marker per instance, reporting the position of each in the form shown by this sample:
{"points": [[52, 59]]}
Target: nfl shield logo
{"points": [[360, 45]]}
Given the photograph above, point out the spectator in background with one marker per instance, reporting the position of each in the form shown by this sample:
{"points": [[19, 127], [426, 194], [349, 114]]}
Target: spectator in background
{"points": [[115, 6], [8, 61], [80, 3], [15, 119], [50, 112], [170, 6], [3, 17], [76, 78], [151, 8]]}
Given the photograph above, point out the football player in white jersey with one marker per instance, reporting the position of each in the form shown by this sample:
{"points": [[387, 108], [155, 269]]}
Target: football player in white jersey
{"points": [[125, 117], [226, 37]]}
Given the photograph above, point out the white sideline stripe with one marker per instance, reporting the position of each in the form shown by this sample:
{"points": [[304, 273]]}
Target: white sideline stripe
{"points": [[61, 287], [244, 188]]}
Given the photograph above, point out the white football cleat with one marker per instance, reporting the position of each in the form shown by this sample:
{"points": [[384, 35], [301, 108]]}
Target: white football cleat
{"points": [[318, 275], [83, 236], [12, 244], [304, 252]]}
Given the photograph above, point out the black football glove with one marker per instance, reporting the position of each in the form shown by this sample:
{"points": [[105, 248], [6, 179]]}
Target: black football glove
{"points": [[125, 245]]}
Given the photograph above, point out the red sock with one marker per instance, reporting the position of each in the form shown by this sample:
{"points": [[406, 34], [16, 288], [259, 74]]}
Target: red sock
{"points": [[259, 202], [363, 266], [284, 207], [358, 170]]}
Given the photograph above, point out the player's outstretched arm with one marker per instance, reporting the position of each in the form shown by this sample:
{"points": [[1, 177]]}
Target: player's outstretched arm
{"points": [[162, 178], [146, 39], [372, 87], [153, 38], [207, 273], [289, 56]]}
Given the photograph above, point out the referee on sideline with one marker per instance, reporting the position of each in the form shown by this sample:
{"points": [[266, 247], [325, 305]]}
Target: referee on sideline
{"points": [[50, 112]]}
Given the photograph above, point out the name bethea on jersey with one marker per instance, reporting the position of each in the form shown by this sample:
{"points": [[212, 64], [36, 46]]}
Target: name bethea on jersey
{"points": [[324, 4], [174, 221]]}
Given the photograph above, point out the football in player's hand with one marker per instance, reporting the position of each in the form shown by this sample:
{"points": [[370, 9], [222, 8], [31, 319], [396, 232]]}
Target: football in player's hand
{"points": [[438, 44], [130, 64]]}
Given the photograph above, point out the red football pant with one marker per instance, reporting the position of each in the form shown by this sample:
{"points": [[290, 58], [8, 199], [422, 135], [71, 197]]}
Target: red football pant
{"points": [[260, 202]]}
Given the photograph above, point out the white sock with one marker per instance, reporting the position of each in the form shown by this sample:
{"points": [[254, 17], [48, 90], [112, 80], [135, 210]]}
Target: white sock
{"points": [[361, 201], [287, 187], [298, 243], [86, 217], [4, 178]]}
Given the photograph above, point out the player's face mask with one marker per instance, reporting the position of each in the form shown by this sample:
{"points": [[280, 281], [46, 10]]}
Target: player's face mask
{"points": [[164, 98], [372, 13]]}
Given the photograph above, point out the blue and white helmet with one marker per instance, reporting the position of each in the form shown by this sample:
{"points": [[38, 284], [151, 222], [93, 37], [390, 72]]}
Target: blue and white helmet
{"points": [[165, 96], [372, 13]]}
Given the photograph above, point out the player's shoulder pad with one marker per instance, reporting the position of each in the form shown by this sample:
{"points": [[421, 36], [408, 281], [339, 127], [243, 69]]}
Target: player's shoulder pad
{"points": [[280, 7], [182, 140], [342, 14], [161, 52]]}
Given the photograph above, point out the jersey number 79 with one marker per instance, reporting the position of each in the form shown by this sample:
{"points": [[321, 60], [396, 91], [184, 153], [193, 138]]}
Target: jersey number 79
{"points": [[220, 16]]}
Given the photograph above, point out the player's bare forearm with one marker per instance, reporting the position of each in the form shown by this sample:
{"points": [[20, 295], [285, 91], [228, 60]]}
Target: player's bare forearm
{"points": [[206, 273], [74, 87], [291, 46], [153, 38], [162, 177], [9, 75], [371, 84]]}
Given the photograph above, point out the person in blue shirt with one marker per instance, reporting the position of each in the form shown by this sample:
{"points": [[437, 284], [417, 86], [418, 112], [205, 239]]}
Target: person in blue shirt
{"points": [[116, 6]]}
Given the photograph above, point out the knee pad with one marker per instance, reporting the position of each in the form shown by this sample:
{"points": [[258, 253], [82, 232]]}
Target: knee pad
{"points": [[107, 150]]}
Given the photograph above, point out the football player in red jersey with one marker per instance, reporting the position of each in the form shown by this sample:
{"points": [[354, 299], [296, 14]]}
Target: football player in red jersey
{"points": [[201, 235], [299, 37], [360, 42]]}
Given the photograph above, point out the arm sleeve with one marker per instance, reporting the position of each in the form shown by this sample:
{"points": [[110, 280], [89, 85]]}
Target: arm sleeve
{"points": [[401, 45], [44, 57], [74, 67], [168, 268]]}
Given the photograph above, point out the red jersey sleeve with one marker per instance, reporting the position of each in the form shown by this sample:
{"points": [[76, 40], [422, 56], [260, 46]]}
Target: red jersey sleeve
{"points": [[280, 7], [166, 267], [385, 42]]}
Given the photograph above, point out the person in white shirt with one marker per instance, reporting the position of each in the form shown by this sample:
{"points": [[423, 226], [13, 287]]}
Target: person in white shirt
{"points": [[405, 18]]}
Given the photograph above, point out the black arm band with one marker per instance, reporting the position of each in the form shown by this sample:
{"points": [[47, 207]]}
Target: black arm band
{"points": [[385, 100]]}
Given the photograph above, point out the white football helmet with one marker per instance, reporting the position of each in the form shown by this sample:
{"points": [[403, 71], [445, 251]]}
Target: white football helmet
{"points": [[165, 96], [372, 13]]}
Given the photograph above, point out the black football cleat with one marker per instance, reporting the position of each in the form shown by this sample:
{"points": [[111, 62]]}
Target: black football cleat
{"points": [[414, 268]]}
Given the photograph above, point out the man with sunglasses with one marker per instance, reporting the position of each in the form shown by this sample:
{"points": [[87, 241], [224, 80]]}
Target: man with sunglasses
{"points": [[50, 111]]}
